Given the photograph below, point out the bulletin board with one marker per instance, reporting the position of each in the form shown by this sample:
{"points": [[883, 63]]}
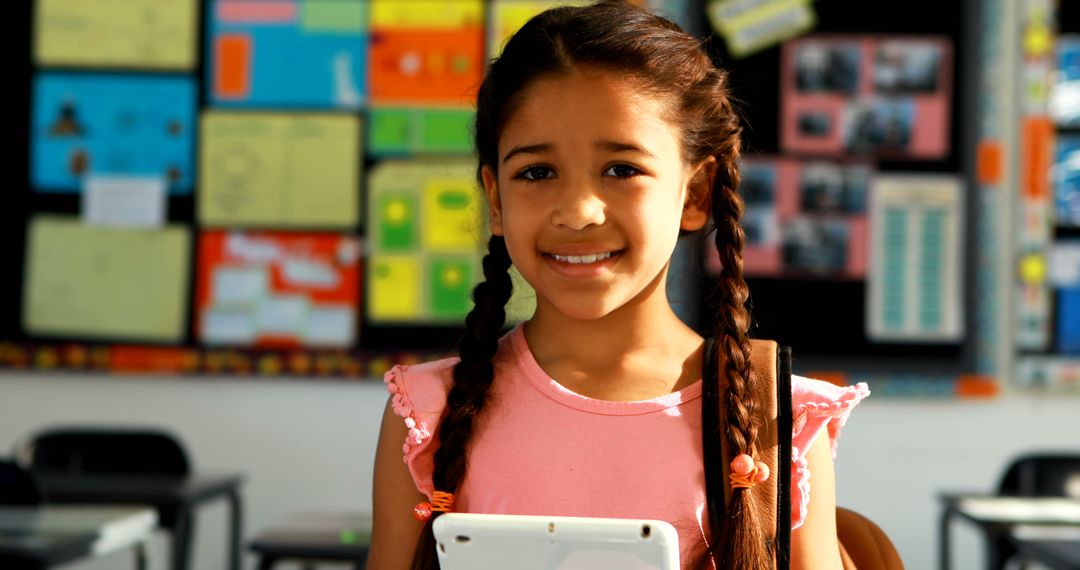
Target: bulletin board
{"points": [[309, 194]]}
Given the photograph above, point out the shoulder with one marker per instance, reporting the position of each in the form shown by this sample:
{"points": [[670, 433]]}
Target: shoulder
{"points": [[420, 388], [816, 404]]}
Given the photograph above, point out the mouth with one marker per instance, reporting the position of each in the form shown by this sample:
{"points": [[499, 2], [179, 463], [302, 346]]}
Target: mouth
{"points": [[586, 259]]}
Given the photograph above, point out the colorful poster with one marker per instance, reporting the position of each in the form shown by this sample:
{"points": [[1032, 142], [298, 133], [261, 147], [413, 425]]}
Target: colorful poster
{"points": [[279, 170], [1065, 174], [426, 238], [288, 53], [145, 34], [115, 125], [1068, 320], [105, 283], [507, 16], [803, 219], [749, 27], [281, 290], [397, 132], [856, 95], [426, 52], [916, 270], [1064, 98]]}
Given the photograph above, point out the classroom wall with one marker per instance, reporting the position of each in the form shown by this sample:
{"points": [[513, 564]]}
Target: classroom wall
{"points": [[308, 444]]}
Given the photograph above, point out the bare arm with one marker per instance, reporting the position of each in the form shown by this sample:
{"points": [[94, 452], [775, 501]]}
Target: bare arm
{"points": [[814, 545], [395, 531]]}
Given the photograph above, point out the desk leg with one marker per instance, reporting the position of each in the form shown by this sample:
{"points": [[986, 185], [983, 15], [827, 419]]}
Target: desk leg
{"points": [[943, 539], [181, 541], [236, 529]]}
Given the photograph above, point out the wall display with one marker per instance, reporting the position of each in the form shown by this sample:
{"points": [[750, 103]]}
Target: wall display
{"points": [[85, 124], [403, 131], [1066, 181], [426, 52], [748, 27], [424, 240], [279, 170], [288, 53], [283, 290], [145, 34], [803, 218], [104, 283], [856, 95], [1064, 103], [916, 277]]}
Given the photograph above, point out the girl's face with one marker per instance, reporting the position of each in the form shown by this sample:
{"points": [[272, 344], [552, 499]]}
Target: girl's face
{"points": [[591, 192]]}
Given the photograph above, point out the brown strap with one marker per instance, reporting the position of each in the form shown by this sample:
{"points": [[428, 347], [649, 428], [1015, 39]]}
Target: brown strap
{"points": [[763, 360]]}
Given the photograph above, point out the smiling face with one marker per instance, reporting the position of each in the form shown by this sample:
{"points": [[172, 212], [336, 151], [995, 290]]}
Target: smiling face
{"points": [[591, 192]]}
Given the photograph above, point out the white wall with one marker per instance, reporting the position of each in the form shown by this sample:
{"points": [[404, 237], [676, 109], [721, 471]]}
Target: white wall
{"points": [[308, 444]]}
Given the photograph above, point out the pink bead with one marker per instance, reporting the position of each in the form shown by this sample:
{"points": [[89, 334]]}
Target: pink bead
{"points": [[762, 474], [742, 464]]}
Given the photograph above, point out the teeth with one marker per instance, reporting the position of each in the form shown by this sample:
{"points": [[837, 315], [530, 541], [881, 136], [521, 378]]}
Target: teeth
{"points": [[592, 258]]}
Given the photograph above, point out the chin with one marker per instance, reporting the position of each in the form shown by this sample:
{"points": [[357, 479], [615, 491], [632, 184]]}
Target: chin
{"points": [[588, 310]]}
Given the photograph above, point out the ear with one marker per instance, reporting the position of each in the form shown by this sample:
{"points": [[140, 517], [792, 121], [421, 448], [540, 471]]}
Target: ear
{"points": [[698, 203], [491, 190]]}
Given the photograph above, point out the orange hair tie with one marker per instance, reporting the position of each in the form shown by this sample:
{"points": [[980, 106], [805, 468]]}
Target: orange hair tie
{"points": [[441, 501], [745, 472]]}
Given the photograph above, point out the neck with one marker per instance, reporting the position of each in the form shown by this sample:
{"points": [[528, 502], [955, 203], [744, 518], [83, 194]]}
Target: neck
{"points": [[642, 342]]}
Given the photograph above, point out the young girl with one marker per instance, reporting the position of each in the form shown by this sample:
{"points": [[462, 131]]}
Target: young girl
{"points": [[603, 133]]}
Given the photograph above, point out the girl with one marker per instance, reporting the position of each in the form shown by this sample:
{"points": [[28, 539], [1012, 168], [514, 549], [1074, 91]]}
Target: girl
{"points": [[603, 132]]}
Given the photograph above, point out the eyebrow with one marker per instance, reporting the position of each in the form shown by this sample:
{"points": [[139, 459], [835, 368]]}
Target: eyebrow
{"points": [[604, 144]]}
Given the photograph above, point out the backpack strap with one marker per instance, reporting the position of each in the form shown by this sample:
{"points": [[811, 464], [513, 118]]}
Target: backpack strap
{"points": [[772, 394]]}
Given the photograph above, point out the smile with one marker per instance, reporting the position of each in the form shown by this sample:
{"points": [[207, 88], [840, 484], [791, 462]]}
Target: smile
{"points": [[582, 259]]}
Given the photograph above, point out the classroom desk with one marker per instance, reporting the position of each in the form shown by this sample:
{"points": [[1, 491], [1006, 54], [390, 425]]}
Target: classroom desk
{"points": [[342, 537], [36, 538], [1054, 547], [1026, 521], [174, 498]]}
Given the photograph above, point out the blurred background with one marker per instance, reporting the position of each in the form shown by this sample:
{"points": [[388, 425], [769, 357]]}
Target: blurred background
{"points": [[231, 217]]}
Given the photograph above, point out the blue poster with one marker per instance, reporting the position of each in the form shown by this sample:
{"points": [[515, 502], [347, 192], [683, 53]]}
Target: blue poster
{"points": [[111, 125], [285, 53], [1068, 320], [1066, 180]]}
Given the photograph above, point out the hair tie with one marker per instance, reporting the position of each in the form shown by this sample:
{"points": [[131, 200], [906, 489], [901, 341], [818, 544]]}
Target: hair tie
{"points": [[440, 501], [745, 472]]}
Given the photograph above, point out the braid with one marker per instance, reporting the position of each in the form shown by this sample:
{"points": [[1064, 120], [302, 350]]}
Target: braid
{"points": [[742, 544], [473, 376]]}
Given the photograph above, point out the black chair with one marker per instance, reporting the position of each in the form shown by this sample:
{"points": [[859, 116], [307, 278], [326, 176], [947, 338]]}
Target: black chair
{"points": [[114, 451], [1033, 475], [18, 487]]}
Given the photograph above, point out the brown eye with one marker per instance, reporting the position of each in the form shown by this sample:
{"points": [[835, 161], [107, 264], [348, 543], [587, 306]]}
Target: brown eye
{"points": [[536, 173], [622, 171]]}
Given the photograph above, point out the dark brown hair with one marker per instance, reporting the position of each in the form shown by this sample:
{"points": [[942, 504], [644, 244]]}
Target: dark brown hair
{"points": [[659, 57]]}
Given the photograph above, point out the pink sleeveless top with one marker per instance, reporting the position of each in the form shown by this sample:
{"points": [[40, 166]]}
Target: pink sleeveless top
{"points": [[540, 449]]}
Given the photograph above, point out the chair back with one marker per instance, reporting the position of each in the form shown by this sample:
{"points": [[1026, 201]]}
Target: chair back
{"points": [[1042, 475], [18, 487], [105, 450], [863, 545]]}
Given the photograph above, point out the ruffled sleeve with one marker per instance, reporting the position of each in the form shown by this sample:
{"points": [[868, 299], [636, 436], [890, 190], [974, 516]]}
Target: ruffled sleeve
{"points": [[418, 396], [817, 407]]}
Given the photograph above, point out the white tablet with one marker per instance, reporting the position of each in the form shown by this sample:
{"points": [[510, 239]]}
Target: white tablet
{"points": [[467, 541]]}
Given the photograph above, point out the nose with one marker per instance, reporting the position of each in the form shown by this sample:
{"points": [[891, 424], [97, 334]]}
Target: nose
{"points": [[578, 206]]}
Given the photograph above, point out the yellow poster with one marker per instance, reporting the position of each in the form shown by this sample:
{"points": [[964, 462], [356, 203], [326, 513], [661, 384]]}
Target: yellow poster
{"points": [[452, 214], [105, 283], [394, 288], [507, 17], [427, 14], [279, 170], [150, 34]]}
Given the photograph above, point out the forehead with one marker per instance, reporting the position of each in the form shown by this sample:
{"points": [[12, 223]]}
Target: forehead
{"points": [[588, 104]]}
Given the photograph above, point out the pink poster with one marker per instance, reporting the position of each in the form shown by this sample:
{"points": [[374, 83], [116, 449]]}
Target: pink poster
{"points": [[876, 97]]}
